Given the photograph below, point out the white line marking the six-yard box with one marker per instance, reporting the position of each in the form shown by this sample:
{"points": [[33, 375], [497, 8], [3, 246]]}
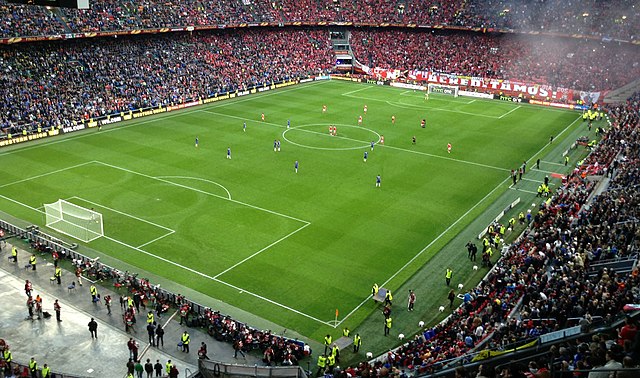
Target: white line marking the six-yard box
{"points": [[139, 249]]}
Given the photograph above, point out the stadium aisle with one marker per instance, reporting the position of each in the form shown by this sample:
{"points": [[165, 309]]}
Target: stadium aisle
{"points": [[59, 344]]}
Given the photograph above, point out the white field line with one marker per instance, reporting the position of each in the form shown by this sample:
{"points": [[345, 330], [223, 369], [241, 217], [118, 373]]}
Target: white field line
{"points": [[197, 179], [45, 174], [552, 163], [169, 230], [427, 247], [411, 106], [139, 249], [510, 111], [42, 212], [22, 204], [538, 181], [160, 117], [201, 191], [540, 170], [260, 251], [125, 214], [363, 141], [418, 107], [447, 158], [65, 199], [215, 279], [156, 239], [561, 132], [436, 97], [523, 190], [445, 231], [532, 180], [357, 90]]}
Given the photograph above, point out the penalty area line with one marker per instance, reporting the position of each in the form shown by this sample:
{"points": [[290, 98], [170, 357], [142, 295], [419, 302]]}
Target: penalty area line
{"points": [[156, 239], [357, 90], [45, 174], [260, 251], [201, 191], [510, 111], [198, 179]]}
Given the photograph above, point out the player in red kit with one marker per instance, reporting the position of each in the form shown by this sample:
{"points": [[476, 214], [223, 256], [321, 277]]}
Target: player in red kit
{"points": [[393, 119], [359, 120], [449, 147], [324, 108], [381, 139], [365, 109], [423, 123], [262, 116]]}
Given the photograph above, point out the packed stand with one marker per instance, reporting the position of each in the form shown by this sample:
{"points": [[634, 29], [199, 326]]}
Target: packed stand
{"points": [[58, 82], [617, 19], [156, 14], [276, 350], [104, 15], [548, 267], [568, 63], [18, 20]]}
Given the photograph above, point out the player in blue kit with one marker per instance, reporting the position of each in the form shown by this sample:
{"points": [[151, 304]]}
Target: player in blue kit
{"points": [[275, 145], [366, 154], [372, 144], [196, 141], [244, 127], [378, 180], [295, 166], [278, 145], [228, 152], [288, 123]]}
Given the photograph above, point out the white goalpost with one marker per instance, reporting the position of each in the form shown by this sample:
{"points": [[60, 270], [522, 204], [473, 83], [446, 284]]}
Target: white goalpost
{"points": [[451, 90], [73, 220]]}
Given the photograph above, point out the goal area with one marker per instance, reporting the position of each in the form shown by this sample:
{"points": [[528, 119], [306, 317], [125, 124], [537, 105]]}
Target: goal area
{"points": [[450, 90], [73, 220]]}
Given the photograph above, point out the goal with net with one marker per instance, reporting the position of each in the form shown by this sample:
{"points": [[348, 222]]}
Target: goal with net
{"points": [[450, 90], [73, 220]]}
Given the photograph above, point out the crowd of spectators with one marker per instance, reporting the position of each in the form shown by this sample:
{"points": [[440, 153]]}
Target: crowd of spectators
{"points": [[275, 349], [55, 83], [619, 19], [21, 20], [560, 62], [51, 84], [547, 269], [615, 19]]}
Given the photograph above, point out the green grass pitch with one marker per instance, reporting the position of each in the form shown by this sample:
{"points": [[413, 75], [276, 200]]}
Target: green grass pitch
{"points": [[250, 231]]}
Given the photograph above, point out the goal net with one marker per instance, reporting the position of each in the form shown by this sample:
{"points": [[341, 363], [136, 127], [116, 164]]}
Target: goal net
{"points": [[73, 220], [450, 90]]}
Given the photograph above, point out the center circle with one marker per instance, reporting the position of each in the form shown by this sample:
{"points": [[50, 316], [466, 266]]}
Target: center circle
{"points": [[302, 127]]}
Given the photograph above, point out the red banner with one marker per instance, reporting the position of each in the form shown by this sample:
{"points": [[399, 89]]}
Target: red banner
{"points": [[483, 84]]}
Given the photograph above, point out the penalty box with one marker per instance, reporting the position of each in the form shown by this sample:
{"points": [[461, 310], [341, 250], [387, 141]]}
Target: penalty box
{"points": [[147, 197]]}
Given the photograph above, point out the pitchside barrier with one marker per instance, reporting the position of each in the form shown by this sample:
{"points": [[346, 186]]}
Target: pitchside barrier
{"points": [[211, 369], [499, 216]]}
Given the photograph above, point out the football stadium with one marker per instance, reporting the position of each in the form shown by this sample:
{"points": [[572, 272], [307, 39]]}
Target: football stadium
{"points": [[319, 188]]}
